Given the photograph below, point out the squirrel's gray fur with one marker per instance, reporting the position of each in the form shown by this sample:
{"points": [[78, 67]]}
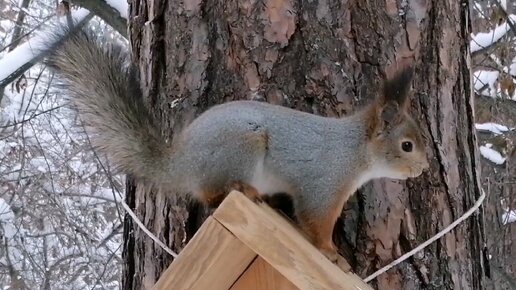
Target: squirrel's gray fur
{"points": [[319, 161]]}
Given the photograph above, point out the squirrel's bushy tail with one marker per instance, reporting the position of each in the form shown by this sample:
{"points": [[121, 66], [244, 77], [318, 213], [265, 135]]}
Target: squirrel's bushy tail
{"points": [[107, 96]]}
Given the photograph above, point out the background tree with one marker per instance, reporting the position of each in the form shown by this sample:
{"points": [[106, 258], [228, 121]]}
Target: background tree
{"points": [[60, 225], [324, 57], [494, 65]]}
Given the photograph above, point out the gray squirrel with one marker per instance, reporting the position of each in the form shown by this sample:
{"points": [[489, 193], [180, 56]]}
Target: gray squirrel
{"points": [[254, 147]]}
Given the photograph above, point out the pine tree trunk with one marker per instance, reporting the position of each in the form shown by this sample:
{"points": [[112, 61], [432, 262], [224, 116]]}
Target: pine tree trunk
{"points": [[323, 57]]}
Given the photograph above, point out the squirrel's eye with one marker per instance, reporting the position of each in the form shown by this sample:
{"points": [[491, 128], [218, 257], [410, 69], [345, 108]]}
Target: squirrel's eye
{"points": [[406, 146]]}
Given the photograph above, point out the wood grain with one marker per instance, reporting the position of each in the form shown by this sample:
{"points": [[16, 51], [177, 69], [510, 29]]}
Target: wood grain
{"points": [[280, 245], [262, 276], [213, 259]]}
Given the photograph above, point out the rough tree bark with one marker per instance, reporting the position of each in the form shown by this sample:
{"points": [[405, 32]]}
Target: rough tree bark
{"points": [[324, 57]]}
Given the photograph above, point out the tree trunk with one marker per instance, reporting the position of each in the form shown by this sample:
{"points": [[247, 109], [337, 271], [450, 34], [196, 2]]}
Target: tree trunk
{"points": [[323, 57]]}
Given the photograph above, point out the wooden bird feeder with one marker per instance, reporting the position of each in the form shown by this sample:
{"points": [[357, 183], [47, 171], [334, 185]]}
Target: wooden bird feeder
{"points": [[249, 246]]}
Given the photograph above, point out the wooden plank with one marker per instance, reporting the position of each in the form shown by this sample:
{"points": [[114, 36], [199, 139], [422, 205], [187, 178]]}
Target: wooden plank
{"points": [[213, 259], [278, 242], [262, 276]]}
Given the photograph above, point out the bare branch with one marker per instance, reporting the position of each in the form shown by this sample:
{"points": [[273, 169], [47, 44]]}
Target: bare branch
{"points": [[107, 13], [511, 31], [30, 56]]}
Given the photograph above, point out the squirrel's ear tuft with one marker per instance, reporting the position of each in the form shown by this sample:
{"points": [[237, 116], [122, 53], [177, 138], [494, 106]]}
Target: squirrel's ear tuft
{"points": [[396, 88], [393, 100]]}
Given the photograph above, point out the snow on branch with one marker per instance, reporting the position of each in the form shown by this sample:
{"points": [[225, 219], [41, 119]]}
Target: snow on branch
{"points": [[17, 61], [121, 6], [6, 213], [494, 128], [6, 219], [503, 3], [113, 12], [485, 82], [509, 217], [483, 40], [492, 155], [493, 84]]}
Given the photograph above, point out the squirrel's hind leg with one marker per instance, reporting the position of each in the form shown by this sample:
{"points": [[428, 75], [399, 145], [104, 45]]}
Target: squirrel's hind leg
{"points": [[320, 231], [317, 217], [213, 196]]}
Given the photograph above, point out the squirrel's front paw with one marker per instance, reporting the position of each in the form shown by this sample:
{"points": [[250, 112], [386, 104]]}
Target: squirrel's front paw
{"points": [[254, 197], [331, 254], [343, 264], [336, 259]]}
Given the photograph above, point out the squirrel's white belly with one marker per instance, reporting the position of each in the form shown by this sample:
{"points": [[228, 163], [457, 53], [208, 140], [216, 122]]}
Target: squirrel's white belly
{"points": [[267, 182], [376, 171]]}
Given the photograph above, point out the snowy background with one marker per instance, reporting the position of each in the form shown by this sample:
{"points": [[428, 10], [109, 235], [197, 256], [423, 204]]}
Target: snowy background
{"points": [[60, 224]]}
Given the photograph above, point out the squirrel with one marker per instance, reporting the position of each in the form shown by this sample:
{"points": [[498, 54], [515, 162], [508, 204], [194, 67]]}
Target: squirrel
{"points": [[255, 147]]}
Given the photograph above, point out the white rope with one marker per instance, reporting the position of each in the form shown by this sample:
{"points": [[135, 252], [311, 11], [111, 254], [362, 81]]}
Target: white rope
{"points": [[477, 204], [467, 214], [131, 212], [145, 230]]}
